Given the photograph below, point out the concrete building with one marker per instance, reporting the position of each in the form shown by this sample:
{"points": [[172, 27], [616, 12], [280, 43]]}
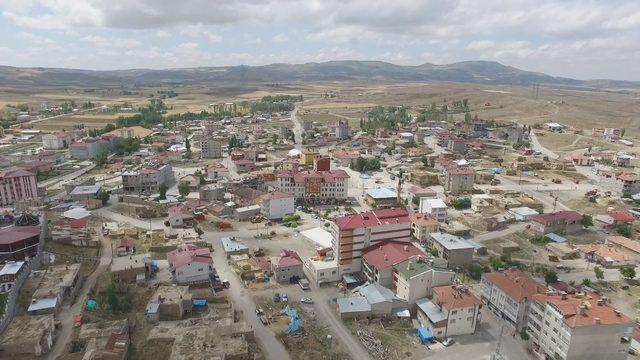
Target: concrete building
{"points": [[211, 148], [190, 264], [87, 149], [523, 213], [457, 145], [180, 216], [342, 130], [211, 192], [619, 184], [422, 225], [307, 156], [416, 193], [148, 179], [316, 186], [352, 234], [56, 141], [276, 205], [287, 266], [509, 294], [217, 171], [457, 251], [17, 185], [561, 222], [131, 269], [435, 208], [83, 192], [453, 310], [577, 327], [9, 273], [381, 197], [58, 284], [322, 163], [28, 337], [169, 303], [459, 181], [378, 260], [416, 277]]}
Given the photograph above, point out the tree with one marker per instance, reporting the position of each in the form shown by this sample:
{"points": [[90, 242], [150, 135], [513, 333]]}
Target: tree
{"points": [[550, 277], [599, 273], [101, 157], [461, 203], [628, 271], [112, 298], [587, 220], [162, 189], [104, 196], [586, 282], [467, 117], [623, 229], [183, 188]]}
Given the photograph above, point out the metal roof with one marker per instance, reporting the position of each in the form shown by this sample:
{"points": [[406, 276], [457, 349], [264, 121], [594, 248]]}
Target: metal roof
{"points": [[11, 268], [376, 293], [451, 242], [353, 304], [382, 193], [43, 304], [430, 309]]}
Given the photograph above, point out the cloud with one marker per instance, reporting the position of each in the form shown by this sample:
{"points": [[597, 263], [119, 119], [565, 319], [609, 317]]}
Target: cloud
{"points": [[280, 38]]}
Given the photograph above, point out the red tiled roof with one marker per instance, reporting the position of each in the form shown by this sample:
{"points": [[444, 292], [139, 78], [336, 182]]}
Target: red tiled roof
{"points": [[124, 243], [583, 311], [326, 176], [179, 209], [515, 283], [71, 223], [260, 262], [372, 218], [453, 297], [389, 254], [14, 234], [422, 219], [186, 254], [558, 216], [464, 171], [621, 215], [287, 258], [276, 195]]}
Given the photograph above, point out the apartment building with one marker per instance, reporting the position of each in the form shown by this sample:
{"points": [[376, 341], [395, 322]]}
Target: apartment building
{"points": [[422, 225], [211, 148], [509, 293], [17, 185], [342, 130], [436, 208], [352, 234], [456, 250], [314, 186], [453, 310], [459, 181], [148, 179], [378, 260], [88, 148], [561, 222], [56, 141], [577, 327], [416, 277], [276, 205]]}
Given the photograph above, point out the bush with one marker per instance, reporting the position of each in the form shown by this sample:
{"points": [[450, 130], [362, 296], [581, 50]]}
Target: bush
{"points": [[628, 271], [461, 203], [550, 277], [623, 229]]}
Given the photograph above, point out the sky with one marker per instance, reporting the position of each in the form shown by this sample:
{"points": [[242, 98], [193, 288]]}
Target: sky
{"points": [[582, 39]]}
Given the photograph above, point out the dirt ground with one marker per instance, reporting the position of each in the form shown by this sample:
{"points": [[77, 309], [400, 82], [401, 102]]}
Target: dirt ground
{"points": [[397, 337]]}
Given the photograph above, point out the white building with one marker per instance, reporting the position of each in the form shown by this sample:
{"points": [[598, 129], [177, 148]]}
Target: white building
{"points": [[56, 141], [277, 204], [509, 293], [190, 264], [452, 311], [328, 186], [8, 274], [577, 327], [436, 208], [523, 213], [416, 277]]}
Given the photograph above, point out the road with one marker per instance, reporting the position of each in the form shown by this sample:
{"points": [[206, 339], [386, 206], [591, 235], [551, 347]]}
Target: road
{"points": [[67, 312], [535, 144], [70, 176], [297, 127], [243, 301]]}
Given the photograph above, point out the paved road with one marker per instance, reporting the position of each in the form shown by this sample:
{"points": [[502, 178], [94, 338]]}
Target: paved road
{"points": [[297, 127], [535, 144], [66, 314], [54, 182], [243, 301]]}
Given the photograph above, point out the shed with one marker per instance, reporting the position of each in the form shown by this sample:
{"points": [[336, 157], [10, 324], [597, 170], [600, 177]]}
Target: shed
{"points": [[424, 335], [555, 237]]}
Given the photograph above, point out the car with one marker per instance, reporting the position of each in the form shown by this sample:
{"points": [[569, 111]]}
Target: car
{"points": [[304, 284], [276, 297], [306, 300], [284, 298], [448, 342]]}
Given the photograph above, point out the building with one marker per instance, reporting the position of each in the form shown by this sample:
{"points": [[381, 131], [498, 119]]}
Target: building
{"points": [[105, 340], [217, 171], [352, 234], [619, 184], [277, 204], [27, 337], [371, 300], [9, 273], [131, 269], [416, 277], [72, 232], [307, 156], [624, 243], [169, 303], [316, 186], [83, 192], [378, 260], [19, 242], [509, 294], [56, 141], [190, 264], [287, 266], [232, 246], [211, 148], [422, 225], [148, 179], [58, 283], [381, 197], [87, 149], [436, 208], [17, 185], [459, 181], [453, 310], [523, 213], [457, 145], [180, 215], [577, 327], [342, 130], [245, 165], [457, 251], [561, 222], [322, 163], [416, 193], [608, 255], [211, 192]]}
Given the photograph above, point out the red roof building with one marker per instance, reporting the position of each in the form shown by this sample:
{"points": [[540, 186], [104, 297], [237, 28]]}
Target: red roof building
{"points": [[378, 260], [561, 222], [190, 264]]}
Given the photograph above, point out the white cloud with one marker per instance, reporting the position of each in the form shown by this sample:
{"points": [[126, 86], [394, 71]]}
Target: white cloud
{"points": [[280, 38]]}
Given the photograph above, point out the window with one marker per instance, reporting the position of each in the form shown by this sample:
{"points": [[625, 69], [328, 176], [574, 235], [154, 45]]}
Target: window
{"points": [[453, 312], [470, 310], [453, 321], [470, 318]]}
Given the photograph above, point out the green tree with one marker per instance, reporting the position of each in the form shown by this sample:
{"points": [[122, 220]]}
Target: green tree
{"points": [[586, 282], [628, 271], [623, 229], [101, 158], [461, 203], [599, 273], [587, 220], [550, 277], [183, 188], [104, 196], [162, 189], [467, 117], [112, 298]]}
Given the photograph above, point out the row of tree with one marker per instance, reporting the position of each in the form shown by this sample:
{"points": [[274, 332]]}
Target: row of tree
{"points": [[390, 118]]}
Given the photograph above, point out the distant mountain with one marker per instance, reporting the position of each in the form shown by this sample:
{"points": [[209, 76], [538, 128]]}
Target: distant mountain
{"points": [[483, 72]]}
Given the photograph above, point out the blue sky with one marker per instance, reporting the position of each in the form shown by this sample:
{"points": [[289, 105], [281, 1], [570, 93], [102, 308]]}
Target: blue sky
{"points": [[575, 38]]}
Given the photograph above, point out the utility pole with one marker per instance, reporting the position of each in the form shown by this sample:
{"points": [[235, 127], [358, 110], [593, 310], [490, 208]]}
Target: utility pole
{"points": [[399, 189]]}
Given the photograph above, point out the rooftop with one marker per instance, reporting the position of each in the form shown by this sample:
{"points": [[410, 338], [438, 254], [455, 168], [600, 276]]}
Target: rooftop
{"points": [[232, 245], [382, 193], [417, 265], [276, 195], [13, 234], [137, 261], [12, 268], [372, 218], [455, 297], [55, 278], [451, 242], [515, 283], [85, 190], [558, 216], [583, 310], [353, 304], [26, 330], [382, 256], [433, 311], [422, 219]]}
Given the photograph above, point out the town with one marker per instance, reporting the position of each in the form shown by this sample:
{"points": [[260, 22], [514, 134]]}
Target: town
{"points": [[267, 228]]}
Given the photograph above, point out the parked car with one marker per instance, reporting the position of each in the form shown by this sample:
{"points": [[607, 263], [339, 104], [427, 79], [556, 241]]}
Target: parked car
{"points": [[304, 284], [448, 342], [306, 300], [276, 298], [284, 298]]}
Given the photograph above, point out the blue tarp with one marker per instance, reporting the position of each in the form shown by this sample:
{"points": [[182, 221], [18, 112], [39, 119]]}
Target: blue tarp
{"points": [[496, 170], [424, 335], [296, 322], [199, 302]]}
